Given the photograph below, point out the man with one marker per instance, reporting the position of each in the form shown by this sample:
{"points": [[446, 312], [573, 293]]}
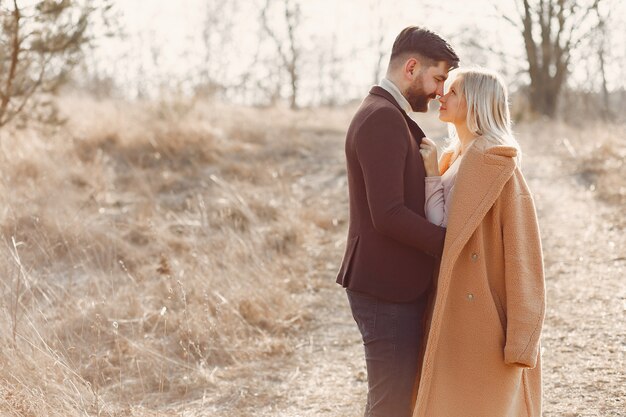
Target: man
{"points": [[392, 249]]}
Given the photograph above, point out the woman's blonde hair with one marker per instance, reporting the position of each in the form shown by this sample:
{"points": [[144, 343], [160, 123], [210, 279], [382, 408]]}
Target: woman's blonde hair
{"points": [[488, 112]]}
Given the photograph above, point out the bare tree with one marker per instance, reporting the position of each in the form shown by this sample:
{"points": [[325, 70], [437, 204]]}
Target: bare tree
{"points": [[551, 30], [377, 34], [217, 36], [333, 74], [603, 23], [42, 42], [289, 48]]}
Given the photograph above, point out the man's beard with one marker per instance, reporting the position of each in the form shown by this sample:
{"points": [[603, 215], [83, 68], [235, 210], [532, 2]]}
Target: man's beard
{"points": [[417, 98]]}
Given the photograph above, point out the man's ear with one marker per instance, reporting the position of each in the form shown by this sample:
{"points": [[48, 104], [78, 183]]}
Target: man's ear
{"points": [[412, 67]]}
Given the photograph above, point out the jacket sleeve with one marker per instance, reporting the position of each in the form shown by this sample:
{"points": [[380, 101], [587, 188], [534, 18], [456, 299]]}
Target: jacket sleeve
{"points": [[524, 280], [382, 147]]}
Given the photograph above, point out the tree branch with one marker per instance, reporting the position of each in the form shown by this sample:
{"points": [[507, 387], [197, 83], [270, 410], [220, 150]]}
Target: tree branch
{"points": [[575, 41], [27, 95], [14, 60], [529, 42], [506, 17], [271, 33]]}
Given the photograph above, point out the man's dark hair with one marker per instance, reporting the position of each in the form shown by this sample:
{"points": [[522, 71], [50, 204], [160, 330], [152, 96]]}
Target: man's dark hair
{"points": [[428, 45]]}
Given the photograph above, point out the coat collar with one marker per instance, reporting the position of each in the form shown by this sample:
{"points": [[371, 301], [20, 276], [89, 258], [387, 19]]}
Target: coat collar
{"points": [[483, 171], [418, 133]]}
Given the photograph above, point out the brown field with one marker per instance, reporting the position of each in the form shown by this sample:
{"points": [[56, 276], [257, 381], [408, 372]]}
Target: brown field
{"points": [[174, 258]]}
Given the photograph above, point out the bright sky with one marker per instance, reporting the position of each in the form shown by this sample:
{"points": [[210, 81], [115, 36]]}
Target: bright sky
{"points": [[164, 36]]}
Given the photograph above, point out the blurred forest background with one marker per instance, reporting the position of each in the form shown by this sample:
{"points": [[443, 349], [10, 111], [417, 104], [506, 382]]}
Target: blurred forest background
{"points": [[173, 201], [562, 58]]}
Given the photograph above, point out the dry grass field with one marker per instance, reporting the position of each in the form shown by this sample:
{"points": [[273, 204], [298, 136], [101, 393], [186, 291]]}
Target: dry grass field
{"points": [[178, 259]]}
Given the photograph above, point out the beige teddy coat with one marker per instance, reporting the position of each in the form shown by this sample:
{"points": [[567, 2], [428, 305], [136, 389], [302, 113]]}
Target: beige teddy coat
{"points": [[482, 355]]}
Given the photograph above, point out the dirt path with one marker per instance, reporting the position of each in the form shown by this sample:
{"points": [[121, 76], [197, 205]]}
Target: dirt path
{"points": [[584, 339]]}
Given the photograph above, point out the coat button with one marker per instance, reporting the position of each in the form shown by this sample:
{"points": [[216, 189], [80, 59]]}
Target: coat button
{"points": [[474, 257], [470, 297]]}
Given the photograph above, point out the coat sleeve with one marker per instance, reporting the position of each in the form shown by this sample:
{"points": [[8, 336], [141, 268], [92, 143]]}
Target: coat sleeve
{"points": [[382, 148], [524, 280]]}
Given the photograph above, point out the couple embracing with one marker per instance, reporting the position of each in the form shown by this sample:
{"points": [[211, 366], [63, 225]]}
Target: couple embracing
{"points": [[443, 266]]}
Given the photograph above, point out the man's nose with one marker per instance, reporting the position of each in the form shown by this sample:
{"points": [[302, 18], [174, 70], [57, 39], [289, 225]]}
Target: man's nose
{"points": [[439, 90]]}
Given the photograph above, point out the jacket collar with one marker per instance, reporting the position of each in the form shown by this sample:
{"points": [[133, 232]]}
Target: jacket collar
{"points": [[379, 91], [393, 89]]}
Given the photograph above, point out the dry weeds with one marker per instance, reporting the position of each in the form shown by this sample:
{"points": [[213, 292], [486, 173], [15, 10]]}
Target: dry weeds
{"points": [[145, 249], [179, 258]]}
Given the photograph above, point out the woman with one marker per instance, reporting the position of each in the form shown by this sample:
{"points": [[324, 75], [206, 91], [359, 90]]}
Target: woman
{"points": [[482, 357]]}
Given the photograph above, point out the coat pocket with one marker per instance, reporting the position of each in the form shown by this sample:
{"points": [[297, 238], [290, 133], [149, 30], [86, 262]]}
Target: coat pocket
{"points": [[495, 307]]}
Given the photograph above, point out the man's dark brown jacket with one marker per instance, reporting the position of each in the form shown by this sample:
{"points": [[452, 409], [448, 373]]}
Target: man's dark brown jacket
{"points": [[391, 249]]}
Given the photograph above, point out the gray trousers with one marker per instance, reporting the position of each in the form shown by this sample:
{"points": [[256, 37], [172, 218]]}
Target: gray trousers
{"points": [[392, 337]]}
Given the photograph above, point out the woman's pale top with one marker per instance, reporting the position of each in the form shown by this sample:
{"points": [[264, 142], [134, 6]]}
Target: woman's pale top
{"points": [[439, 193]]}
